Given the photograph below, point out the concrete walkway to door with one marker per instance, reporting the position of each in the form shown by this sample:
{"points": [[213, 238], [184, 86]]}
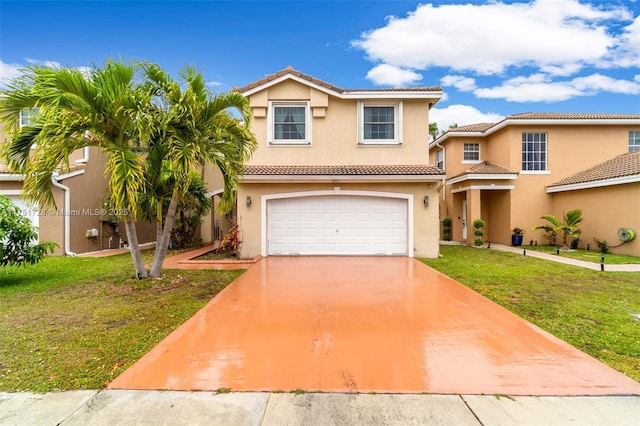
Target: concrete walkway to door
{"points": [[361, 324]]}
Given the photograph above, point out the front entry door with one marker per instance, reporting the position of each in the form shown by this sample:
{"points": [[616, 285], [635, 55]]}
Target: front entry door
{"points": [[464, 220]]}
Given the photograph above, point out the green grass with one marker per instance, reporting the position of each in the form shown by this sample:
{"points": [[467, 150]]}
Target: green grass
{"points": [[586, 255], [77, 323], [591, 310]]}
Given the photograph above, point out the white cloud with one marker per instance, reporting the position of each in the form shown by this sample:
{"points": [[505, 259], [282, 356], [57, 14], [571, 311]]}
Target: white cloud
{"points": [[460, 115], [628, 52], [557, 39], [540, 88], [8, 72], [464, 84], [385, 74], [489, 38]]}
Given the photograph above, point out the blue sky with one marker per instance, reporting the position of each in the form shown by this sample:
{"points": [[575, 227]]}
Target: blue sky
{"points": [[492, 58]]}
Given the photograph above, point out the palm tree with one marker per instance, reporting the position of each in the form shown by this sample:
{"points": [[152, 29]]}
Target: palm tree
{"points": [[104, 107], [568, 227], [196, 128]]}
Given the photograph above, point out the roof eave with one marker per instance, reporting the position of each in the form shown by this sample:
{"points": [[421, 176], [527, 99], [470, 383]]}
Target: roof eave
{"points": [[340, 178], [594, 184]]}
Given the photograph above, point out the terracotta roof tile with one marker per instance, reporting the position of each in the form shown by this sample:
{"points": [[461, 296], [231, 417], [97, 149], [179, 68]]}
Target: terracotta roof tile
{"points": [[290, 70], [347, 170], [478, 127], [621, 166], [486, 168], [570, 116]]}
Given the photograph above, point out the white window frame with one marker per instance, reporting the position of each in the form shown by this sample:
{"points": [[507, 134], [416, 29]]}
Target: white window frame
{"points": [[271, 139], [464, 151], [634, 140], [24, 119], [397, 123], [544, 170], [440, 159]]}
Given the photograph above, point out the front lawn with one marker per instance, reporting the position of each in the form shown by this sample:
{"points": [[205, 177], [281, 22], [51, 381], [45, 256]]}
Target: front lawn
{"points": [[77, 323], [591, 310]]}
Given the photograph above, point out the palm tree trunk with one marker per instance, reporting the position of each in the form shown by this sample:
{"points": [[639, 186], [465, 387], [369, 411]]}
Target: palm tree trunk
{"points": [[158, 223], [132, 238], [163, 244]]}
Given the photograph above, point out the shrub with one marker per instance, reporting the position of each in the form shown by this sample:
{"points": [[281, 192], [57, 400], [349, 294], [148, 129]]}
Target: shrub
{"points": [[602, 245]]}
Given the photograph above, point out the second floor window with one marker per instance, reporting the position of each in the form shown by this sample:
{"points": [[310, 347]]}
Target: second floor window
{"points": [[471, 152], [379, 123], [289, 123], [634, 141], [27, 116], [534, 151], [440, 159]]}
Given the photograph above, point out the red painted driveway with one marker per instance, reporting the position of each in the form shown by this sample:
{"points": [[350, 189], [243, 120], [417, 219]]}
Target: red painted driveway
{"points": [[360, 324]]}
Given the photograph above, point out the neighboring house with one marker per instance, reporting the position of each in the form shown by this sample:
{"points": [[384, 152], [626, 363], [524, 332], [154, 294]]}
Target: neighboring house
{"points": [[512, 172], [79, 223], [338, 172]]}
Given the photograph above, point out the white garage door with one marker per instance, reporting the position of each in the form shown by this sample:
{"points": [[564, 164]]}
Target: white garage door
{"points": [[344, 225]]}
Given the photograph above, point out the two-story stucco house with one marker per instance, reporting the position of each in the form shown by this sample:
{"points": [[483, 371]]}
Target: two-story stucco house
{"points": [[512, 172], [338, 172], [79, 223]]}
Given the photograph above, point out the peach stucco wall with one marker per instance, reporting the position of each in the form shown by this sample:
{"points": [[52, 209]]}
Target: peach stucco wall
{"points": [[334, 138], [571, 148], [605, 210]]}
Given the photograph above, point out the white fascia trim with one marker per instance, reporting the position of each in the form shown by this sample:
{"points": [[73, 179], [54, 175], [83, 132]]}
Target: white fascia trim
{"points": [[491, 187], [596, 184], [335, 191], [354, 94], [480, 176], [341, 178], [10, 192], [10, 177]]}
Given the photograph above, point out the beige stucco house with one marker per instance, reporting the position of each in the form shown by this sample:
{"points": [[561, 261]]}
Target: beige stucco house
{"points": [[79, 223], [338, 172], [512, 172]]}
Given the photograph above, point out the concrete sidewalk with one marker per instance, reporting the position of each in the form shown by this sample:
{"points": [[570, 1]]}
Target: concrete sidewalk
{"points": [[566, 260], [126, 407]]}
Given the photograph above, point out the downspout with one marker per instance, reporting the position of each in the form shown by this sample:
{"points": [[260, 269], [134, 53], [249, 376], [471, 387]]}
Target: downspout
{"points": [[84, 159], [67, 215], [444, 159]]}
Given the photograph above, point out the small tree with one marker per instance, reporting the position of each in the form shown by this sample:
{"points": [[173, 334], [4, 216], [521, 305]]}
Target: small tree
{"points": [[478, 224], [18, 236], [567, 228]]}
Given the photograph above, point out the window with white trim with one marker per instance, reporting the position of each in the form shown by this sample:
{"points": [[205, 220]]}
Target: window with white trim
{"points": [[634, 140], [471, 152], [289, 123], [440, 159], [27, 116], [534, 151], [379, 123]]}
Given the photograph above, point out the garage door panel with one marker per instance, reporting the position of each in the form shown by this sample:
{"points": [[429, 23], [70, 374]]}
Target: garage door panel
{"points": [[337, 225]]}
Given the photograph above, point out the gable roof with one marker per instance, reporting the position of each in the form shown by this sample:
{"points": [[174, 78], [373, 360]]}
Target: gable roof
{"points": [[430, 92], [543, 118], [624, 168], [484, 170]]}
